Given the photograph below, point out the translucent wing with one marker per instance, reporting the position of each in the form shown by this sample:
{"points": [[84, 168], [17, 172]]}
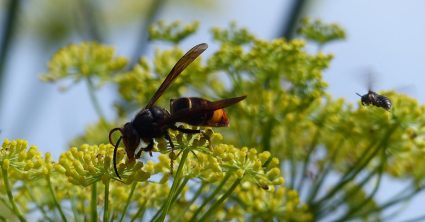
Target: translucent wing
{"points": [[184, 61]]}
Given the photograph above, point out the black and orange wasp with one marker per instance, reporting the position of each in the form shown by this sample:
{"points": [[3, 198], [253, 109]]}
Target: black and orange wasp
{"points": [[154, 122]]}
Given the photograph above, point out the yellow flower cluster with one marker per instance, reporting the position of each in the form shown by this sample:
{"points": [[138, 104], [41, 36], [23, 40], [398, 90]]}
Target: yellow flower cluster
{"points": [[267, 205], [173, 32], [248, 165], [23, 162], [87, 59], [88, 164], [320, 32]]}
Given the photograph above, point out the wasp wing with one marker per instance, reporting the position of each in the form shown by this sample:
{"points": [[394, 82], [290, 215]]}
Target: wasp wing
{"points": [[210, 106], [184, 61]]}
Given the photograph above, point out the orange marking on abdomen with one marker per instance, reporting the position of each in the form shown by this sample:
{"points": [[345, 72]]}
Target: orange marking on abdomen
{"points": [[219, 118]]}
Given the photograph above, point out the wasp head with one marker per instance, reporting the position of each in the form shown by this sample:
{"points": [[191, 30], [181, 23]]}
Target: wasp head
{"points": [[131, 141]]}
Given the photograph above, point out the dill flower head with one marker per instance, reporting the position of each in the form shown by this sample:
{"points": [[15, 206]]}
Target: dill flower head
{"points": [[280, 203], [174, 32], [87, 59], [319, 32], [91, 163], [24, 162], [249, 165]]}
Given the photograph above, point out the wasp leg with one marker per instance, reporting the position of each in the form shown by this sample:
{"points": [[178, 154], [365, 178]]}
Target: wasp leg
{"points": [[149, 149], [185, 130], [172, 156]]}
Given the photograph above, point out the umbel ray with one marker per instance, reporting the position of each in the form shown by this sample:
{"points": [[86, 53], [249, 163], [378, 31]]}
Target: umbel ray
{"points": [[154, 122]]}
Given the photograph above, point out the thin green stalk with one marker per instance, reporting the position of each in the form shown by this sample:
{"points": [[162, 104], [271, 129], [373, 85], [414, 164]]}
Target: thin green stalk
{"points": [[226, 195], [133, 187], [197, 194], [93, 203], [39, 207], [174, 186], [180, 189], [267, 135], [359, 206], [9, 26], [6, 204], [306, 161], [178, 192], [343, 181], [10, 195], [292, 165], [77, 215], [55, 201], [346, 179], [316, 186], [93, 98], [142, 40], [211, 197], [141, 211], [399, 197], [106, 202]]}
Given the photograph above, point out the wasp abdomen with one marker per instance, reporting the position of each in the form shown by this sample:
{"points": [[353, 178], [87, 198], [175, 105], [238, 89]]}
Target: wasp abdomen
{"points": [[199, 112]]}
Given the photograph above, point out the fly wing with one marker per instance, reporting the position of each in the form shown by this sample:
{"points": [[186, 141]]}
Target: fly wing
{"points": [[211, 106], [184, 61]]}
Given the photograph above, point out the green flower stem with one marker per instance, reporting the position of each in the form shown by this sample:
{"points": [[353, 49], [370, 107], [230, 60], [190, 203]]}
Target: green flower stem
{"points": [[397, 199], [293, 165], [346, 179], [139, 214], [343, 181], [10, 196], [217, 204], [93, 203], [39, 207], [6, 204], [106, 202], [55, 201], [354, 210], [326, 208], [197, 194], [306, 162], [77, 216], [267, 135], [174, 186], [133, 187], [210, 197], [323, 175], [93, 98], [179, 190]]}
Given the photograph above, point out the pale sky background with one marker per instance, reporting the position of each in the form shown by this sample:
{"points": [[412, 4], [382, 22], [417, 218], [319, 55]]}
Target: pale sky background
{"points": [[386, 35]]}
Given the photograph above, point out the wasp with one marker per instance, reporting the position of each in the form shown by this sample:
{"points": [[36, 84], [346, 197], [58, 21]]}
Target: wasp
{"points": [[373, 98], [153, 122]]}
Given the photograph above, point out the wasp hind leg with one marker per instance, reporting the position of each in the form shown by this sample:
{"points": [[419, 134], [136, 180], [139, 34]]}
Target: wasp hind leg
{"points": [[185, 130], [171, 155]]}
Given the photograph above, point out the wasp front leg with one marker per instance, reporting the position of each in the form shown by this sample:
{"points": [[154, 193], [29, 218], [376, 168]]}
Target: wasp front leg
{"points": [[149, 149]]}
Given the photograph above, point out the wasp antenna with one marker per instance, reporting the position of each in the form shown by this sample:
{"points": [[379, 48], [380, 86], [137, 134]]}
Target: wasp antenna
{"points": [[359, 94], [114, 158], [111, 132]]}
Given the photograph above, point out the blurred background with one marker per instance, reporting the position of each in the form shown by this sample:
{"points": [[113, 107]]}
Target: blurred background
{"points": [[383, 36]]}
